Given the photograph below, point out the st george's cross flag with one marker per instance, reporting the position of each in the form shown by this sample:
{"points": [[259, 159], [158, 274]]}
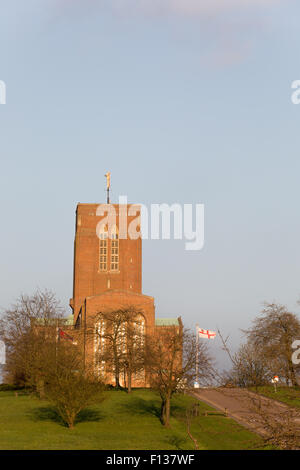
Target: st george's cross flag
{"points": [[206, 334]]}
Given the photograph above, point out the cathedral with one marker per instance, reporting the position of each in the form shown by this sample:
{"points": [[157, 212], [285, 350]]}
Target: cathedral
{"points": [[108, 274]]}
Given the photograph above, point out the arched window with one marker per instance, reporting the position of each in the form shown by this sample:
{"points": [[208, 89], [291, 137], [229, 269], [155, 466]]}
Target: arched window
{"points": [[139, 372], [99, 347], [2, 352], [140, 330], [103, 249], [114, 253]]}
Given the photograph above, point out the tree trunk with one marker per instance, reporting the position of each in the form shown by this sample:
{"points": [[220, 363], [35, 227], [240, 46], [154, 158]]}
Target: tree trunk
{"points": [[124, 377], [193, 439], [287, 381], [71, 421], [41, 388], [165, 411], [117, 368]]}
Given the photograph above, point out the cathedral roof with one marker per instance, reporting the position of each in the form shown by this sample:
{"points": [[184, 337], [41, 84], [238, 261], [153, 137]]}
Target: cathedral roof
{"points": [[166, 321]]}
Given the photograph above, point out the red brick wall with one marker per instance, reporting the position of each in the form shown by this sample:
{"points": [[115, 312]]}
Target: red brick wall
{"points": [[88, 279], [112, 301], [91, 292]]}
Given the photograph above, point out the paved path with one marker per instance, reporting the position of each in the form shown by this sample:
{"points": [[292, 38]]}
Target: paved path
{"points": [[258, 413]]}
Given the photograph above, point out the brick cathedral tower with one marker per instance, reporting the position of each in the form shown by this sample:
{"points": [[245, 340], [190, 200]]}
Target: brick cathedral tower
{"points": [[108, 268], [103, 264]]}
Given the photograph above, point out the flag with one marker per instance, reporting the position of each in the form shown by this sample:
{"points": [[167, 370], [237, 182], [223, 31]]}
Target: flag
{"points": [[206, 334], [64, 335]]}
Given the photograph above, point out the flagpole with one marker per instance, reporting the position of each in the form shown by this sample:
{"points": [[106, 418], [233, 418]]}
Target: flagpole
{"points": [[56, 343], [197, 352]]}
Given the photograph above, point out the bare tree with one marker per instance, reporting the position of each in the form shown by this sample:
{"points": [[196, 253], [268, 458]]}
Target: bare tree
{"points": [[249, 366], [70, 385], [273, 334], [190, 414], [133, 358], [121, 341], [171, 359], [278, 424], [28, 330], [38, 358]]}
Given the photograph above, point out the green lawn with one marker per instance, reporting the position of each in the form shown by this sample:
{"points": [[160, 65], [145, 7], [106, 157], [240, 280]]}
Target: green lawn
{"points": [[121, 421], [288, 395]]}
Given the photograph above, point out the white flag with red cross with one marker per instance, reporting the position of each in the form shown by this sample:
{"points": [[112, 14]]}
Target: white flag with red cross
{"points": [[208, 334]]}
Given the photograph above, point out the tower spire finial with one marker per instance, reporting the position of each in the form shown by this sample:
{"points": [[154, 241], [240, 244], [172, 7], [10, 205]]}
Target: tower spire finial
{"points": [[107, 175]]}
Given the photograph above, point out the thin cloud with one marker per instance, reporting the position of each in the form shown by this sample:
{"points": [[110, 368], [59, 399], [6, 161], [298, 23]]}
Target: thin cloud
{"points": [[227, 30], [230, 28], [179, 8], [187, 7]]}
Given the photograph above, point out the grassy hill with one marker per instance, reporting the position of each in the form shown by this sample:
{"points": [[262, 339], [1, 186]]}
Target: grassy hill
{"points": [[288, 395], [119, 422]]}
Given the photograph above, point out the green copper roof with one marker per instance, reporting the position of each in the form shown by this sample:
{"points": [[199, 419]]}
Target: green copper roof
{"points": [[166, 321], [69, 320]]}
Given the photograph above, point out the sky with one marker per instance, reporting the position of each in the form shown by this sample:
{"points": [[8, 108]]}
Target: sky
{"points": [[184, 101]]}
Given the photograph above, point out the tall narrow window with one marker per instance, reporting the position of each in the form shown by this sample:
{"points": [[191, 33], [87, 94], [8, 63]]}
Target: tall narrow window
{"points": [[139, 344], [99, 348], [114, 255], [140, 331], [103, 249]]}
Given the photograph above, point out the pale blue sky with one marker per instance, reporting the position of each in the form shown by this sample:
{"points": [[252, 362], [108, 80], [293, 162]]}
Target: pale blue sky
{"points": [[183, 101]]}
